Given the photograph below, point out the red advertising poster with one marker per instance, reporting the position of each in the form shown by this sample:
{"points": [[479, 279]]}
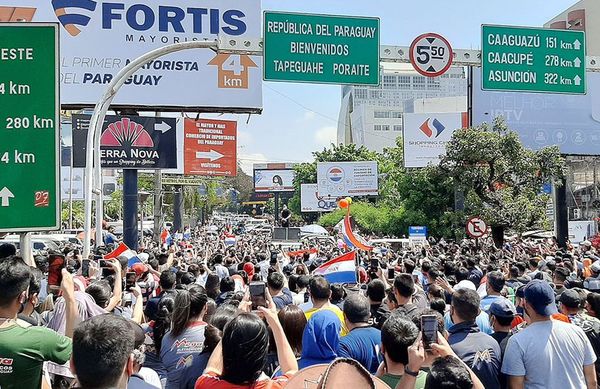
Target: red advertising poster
{"points": [[210, 147]]}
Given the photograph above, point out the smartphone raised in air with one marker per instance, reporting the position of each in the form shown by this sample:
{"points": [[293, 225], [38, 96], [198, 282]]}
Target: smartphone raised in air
{"points": [[429, 328], [258, 294]]}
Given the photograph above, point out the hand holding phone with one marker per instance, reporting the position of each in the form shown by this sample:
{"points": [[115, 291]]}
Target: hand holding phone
{"points": [[429, 328], [258, 294]]}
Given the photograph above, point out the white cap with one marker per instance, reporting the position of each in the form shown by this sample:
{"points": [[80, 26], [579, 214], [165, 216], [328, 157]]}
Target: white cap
{"points": [[465, 284]]}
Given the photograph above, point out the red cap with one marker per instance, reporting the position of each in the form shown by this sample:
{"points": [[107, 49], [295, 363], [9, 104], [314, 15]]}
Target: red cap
{"points": [[249, 269], [139, 268]]}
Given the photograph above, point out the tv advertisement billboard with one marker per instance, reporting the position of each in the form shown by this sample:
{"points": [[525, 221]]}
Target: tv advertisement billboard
{"points": [[98, 38], [572, 122], [274, 180], [338, 179], [426, 135], [310, 201]]}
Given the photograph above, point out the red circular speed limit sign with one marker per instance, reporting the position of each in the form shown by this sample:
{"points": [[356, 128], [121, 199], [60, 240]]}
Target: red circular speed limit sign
{"points": [[476, 228], [431, 54]]}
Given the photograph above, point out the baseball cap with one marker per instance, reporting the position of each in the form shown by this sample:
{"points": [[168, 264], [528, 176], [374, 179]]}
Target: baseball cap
{"points": [[139, 269], [503, 308], [465, 284], [249, 269], [586, 243], [595, 267], [570, 299], [540, 296]]}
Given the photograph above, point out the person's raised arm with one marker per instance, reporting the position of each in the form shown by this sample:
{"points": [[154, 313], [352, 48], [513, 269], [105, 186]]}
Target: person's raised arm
{"points": [[285, 354], [71, 311], [215, 362], [138, 309], [118, 288]]}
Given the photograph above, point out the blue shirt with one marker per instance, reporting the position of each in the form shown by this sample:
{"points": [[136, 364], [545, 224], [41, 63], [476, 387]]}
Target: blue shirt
{"points": [[179, 354], [487, 301], [362, 344], [483, 322], [477, 350]]}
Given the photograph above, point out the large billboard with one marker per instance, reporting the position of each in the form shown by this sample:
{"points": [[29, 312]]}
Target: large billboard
{"points": [[210, 147], [571, 122], [129, 142], [274, 178], [337, 179], [100, 37], [311, 201], [426, 135]]}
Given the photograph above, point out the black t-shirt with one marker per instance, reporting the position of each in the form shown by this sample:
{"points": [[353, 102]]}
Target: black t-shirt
{"points": [[379, 313]]}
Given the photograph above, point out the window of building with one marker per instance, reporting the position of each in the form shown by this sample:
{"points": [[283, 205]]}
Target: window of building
{"points": [[389, 82], [374, 94], [404, 82], [381, 127], [382, 115], [361, 93], [396, 115], [397, 127], [419, 82]]}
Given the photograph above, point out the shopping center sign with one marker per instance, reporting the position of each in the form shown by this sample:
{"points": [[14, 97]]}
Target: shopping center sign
{"points": [[29, 127], [321, 49], [533, 60]]}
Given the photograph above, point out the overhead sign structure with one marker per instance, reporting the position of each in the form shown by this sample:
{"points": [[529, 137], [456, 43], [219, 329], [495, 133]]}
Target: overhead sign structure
{"points": [[427, 134], [129, 142], [533, 60], [99, 38], [210, 147], [321, 48], [476, 228], [312, 202], [431, 54], [338, 179], [29, 127]]}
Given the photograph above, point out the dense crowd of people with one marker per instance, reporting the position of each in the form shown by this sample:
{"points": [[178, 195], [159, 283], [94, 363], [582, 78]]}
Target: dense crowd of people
{"points": [[212, 311]]}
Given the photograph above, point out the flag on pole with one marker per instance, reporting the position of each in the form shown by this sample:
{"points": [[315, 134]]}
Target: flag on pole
{"points": [[340, 270], [352, 239], [165, 237], [124, 251]]}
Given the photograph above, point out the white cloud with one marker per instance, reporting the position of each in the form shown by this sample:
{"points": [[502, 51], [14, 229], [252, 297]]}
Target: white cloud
{"points": [[248, 160], [325, 136], [309, 115]]}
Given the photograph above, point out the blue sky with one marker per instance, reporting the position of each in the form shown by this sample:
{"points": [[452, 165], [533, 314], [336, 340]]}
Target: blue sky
{"points": [[300, 118]]}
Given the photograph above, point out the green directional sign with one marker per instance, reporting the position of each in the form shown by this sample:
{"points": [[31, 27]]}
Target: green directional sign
{"points": [[321, 48], [29, 127], [533, 60]]}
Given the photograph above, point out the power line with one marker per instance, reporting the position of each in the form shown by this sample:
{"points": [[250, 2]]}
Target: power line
{"points": [[301, 105]]}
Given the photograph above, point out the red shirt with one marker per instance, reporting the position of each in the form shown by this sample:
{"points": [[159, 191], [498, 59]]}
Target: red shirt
{"points": [[213, 381]]}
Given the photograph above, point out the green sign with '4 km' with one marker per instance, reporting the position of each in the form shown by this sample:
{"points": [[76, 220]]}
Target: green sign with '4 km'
{"points": [[29, 127], [533, 60]]}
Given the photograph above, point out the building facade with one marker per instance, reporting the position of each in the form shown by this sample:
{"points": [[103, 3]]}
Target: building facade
{"points": [[371, 116], [582, 16]]}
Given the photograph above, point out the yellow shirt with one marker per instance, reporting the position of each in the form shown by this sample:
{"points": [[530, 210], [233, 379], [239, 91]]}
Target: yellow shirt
{"points": [[333, 308]]}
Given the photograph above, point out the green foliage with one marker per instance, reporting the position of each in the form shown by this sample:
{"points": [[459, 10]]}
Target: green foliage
{"points": [[502, 179], [306, 173]]}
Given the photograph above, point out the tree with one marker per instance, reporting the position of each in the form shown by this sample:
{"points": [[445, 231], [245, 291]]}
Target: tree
{"points": [[306, 173], [502, 179]]}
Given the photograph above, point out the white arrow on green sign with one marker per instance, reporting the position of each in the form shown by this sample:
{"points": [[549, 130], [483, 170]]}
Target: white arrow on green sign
{"points": [[533, 60]]}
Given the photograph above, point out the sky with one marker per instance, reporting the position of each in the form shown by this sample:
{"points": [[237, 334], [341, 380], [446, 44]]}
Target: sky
{"points": [[298, 119]]}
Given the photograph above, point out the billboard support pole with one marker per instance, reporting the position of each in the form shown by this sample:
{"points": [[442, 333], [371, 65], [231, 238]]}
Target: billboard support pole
{"points": [[562, 214], [178, 209], [130, 208], [93, 139]]}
